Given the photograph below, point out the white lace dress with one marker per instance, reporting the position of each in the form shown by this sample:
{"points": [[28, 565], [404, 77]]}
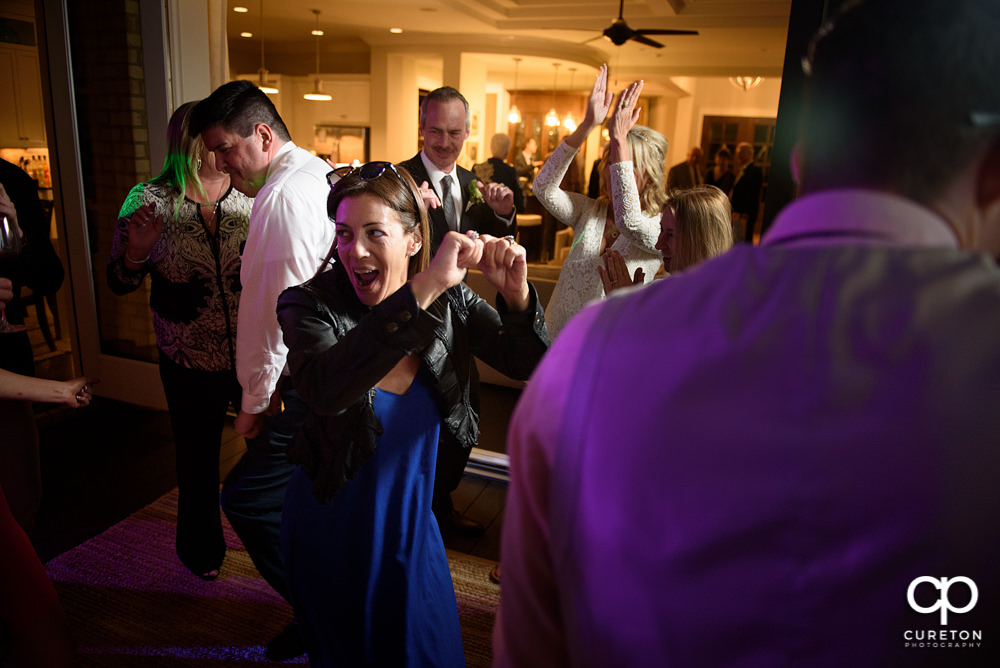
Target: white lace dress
{"points": [[579, 283]]}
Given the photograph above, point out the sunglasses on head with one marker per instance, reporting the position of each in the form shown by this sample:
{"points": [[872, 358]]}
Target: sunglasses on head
{"points": [[368, 171]]}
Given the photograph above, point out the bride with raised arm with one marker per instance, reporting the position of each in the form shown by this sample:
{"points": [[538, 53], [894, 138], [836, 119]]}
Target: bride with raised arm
{"points": [[637, 191]]}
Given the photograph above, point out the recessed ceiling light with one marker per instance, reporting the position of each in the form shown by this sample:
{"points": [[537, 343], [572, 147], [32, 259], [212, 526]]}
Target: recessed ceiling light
{"points": [[246, 34], [240, 10], [395, 31], [317, 32]]}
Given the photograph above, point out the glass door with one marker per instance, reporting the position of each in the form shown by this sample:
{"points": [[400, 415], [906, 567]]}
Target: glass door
{"points": [[104, 69]]}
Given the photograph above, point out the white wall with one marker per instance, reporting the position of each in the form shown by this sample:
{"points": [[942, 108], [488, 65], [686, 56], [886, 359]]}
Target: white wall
{"points": [[473, 88], [715, 96]]}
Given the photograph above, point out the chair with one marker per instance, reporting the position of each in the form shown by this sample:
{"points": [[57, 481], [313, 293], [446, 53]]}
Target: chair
{"points": [[563, 244], [526, 221], [29, 298]]}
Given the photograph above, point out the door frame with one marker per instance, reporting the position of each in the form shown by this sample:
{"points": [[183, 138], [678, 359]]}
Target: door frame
{"points": [[123, 379]]}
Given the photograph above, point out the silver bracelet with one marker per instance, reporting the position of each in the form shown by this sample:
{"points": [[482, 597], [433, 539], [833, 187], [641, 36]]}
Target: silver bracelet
{"points": [[142, 261]]}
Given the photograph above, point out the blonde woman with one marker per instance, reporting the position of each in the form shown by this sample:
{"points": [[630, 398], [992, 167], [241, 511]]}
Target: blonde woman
{"points": [[695, 226], [185, 229], [633, 168]]}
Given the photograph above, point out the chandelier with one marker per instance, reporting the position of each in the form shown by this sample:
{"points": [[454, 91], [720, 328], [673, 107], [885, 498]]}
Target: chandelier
{"points": [[262, 82], [746, 83], [570, 122], [515, 114], [552, 118], [317, 93]]}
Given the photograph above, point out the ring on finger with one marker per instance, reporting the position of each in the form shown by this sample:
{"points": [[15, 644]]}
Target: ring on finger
{"points": [[510, 238]]}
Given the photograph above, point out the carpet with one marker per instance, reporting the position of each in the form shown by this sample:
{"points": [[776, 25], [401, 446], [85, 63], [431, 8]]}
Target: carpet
{"points": [[132, 604]]}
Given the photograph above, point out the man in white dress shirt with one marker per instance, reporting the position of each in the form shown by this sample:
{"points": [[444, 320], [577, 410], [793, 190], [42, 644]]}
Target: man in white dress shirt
{"points": [[289, 235]]}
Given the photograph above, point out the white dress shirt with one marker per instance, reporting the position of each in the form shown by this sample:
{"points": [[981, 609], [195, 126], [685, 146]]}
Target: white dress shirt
{"points": [[290, 234], [435, 176]]}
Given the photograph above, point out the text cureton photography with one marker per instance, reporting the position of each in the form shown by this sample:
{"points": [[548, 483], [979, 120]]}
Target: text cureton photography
{"points": [[942, 638], [938, 638]]}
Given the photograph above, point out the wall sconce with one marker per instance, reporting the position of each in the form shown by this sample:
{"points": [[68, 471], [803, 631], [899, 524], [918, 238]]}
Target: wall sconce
{"points": [[317, 93], [746, 83]]}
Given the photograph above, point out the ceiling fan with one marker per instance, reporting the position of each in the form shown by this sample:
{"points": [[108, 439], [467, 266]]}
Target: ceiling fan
{"points": [[619, 32]]}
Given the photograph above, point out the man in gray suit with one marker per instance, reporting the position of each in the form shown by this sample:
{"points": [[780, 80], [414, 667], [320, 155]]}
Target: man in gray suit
{"points": [[467, 205]]}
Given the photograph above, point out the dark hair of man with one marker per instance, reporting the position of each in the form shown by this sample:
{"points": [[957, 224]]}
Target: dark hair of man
{"points": [[443, 95], [400, 195], [237, 106], [892, 85]]}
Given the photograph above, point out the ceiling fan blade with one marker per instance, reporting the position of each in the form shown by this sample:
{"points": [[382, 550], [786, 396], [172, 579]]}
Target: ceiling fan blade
{"points": [[645, 40], [666, 32], [601, 36]]}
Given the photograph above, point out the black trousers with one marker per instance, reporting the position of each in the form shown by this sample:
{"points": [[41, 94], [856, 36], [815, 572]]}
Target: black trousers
{"points": [[452, 459], [197, 401], [254, 491]]}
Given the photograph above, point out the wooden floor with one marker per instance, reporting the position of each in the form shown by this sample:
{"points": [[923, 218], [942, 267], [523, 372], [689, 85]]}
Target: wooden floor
{"points": [[106, 461]]}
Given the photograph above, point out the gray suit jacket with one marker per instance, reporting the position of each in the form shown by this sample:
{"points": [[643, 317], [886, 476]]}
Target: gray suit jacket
{"points": [[478, 217]]}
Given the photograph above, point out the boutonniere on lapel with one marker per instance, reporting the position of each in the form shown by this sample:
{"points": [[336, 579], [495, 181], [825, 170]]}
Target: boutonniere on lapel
{"points": [[475, 197]]}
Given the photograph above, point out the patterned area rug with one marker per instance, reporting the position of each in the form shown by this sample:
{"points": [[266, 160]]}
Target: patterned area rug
{"points": [[132, 604]]}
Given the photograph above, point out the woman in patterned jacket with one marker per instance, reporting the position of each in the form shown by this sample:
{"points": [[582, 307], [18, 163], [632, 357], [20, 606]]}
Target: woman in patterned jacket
{"points": [[184, 229]]}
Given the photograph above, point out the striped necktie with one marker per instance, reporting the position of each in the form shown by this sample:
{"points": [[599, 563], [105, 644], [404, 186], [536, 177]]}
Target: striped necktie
{"points": [[448, 203]]}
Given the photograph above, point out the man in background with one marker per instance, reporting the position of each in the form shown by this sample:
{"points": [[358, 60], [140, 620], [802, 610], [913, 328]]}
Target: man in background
{"points": [[687, 174], [502, 172], [462, 206], [746, 192], [524, 161], [808, 474], [455, 200], [289, 235]]}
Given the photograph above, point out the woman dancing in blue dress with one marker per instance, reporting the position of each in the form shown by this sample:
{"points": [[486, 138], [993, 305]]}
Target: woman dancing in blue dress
{"points": [[380, 348]]}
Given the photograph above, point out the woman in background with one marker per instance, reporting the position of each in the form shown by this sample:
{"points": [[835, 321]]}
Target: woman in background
{"points": [[184, 228], [695, 226], [380, 347], [634, 171]]}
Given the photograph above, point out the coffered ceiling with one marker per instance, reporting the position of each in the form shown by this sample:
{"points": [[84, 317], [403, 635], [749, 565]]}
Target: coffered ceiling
{"points": [[736, 37]]}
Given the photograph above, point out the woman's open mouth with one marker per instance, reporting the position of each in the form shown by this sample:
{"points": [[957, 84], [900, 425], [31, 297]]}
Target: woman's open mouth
{"points": [[365, 278]]}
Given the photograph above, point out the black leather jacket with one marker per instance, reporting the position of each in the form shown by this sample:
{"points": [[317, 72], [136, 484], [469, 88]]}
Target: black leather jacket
{"points": [[338, 349]]}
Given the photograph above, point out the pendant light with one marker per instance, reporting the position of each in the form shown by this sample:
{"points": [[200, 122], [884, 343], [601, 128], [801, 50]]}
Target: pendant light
{"points": [[552, 118], [262, 82], [569, 122], [515, 114], [317, 93], [746, 83]]}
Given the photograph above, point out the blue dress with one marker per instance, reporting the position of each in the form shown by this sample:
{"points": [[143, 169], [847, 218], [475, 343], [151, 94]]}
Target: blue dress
{"points": [[368, 573]]}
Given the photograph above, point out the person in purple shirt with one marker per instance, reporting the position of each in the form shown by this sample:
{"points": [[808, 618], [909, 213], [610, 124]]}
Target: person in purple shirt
{"points": [[787, 456]]}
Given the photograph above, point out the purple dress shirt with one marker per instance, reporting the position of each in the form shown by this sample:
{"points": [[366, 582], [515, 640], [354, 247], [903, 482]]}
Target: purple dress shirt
{"points": [[754, 462]]}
